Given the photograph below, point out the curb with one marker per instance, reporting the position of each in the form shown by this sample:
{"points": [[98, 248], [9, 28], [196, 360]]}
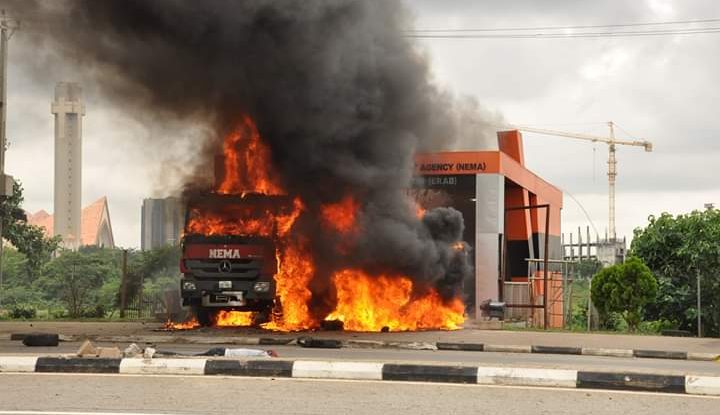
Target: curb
{"points": [[378, 371], [579, 351]]}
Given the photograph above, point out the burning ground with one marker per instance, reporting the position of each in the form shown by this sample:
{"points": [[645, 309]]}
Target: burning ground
{"points": [[325, 102]]}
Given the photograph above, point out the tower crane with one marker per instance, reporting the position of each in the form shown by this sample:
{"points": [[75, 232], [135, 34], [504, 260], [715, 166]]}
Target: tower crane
{"points": [[611, 141]]}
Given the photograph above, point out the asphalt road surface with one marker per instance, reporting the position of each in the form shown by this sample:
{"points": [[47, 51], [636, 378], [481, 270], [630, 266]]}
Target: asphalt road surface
{"points": [[665, 366], [47, 393]]}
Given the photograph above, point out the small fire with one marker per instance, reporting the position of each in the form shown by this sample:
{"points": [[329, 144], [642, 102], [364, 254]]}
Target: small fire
{"points": [[186, 325], [340, 216], [233, 318], [245, 153], [420, 211], [367, 303]]}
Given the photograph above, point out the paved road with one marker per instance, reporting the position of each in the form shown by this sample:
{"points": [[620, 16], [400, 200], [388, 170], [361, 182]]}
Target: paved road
{"points": [[222, 395], [680, 367]]}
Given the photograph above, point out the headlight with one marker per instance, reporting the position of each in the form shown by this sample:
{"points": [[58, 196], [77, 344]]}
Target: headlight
{"points": [[262, 286], [188, 286]]}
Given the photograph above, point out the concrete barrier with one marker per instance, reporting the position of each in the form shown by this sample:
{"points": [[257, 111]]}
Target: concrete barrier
{"points": [[371, 371]]}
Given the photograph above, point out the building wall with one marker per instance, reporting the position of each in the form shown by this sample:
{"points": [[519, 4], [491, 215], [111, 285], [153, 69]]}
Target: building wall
{"points": [[68, 110], [161, 222], [501, 238]]}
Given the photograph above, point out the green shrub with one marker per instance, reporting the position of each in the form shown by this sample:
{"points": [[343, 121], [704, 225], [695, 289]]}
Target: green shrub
{"points": [[99, 311], [23, 312], [624, 289], [657, 326]]}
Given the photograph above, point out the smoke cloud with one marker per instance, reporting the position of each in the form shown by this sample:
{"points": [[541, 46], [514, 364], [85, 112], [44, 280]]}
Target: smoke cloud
{"points": [[340, 96]]}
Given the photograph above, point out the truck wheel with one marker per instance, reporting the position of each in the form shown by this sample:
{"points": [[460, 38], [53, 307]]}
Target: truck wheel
{"points": [[261, 317], [203, 316]]}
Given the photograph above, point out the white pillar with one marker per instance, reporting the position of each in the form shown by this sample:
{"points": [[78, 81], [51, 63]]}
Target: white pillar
{"points": [[489, 224], [68, 110]]}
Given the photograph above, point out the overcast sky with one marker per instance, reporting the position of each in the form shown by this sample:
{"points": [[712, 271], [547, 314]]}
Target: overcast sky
{"points": [[659, 88]]}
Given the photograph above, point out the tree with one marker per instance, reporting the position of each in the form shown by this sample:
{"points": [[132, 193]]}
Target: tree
{"points": [[28, 239], [678, 250], [625, 289], [157, 268], [76, 278]]}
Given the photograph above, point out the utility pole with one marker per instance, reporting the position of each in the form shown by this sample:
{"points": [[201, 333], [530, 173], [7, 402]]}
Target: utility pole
{"points": [[123, 284], [612, 174], [7, 28], [699, 304]]}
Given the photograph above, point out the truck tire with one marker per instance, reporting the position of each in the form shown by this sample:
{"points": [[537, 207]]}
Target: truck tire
{"points": [[261, 317], [41, 340], [203, 316]]}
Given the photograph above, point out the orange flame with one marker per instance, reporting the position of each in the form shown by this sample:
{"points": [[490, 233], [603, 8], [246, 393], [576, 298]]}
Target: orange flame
{"points": [[295, 271], [186, 325], [340, 216], [246, 160], [366, 303], [244, 220], [233, 318]]}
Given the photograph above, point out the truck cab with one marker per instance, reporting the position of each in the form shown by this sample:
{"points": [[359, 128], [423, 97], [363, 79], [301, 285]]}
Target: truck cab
{"points": [[228, 261]]}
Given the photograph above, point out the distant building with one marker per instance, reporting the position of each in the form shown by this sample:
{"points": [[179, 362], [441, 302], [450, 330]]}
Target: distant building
{"points": [[68, 109], [162, 222], [579, 247], [95, 226]]}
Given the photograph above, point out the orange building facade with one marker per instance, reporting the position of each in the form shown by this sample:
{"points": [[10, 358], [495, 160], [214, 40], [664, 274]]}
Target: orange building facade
{"points": [[488, 187]]}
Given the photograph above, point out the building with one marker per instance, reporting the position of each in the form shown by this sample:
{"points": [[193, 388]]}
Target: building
{"points": [[161, 222], [506, 209], [95, 226], [608, 251], [68, 109]]}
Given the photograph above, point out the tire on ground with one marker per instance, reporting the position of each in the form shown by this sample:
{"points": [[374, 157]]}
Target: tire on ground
{"points": [[41, 340], [203, 315]]}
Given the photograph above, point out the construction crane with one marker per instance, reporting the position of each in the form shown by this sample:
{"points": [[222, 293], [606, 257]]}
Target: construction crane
{"points": [[611, 141]]}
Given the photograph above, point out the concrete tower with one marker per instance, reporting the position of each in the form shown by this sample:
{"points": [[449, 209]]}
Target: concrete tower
{"points": [[68, 110]]}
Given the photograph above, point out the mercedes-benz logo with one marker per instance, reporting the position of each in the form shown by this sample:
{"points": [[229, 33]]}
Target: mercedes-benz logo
{"points": [[225, 266]]}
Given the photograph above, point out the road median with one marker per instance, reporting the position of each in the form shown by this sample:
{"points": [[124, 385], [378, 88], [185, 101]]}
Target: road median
{"points": [[369, 370]]}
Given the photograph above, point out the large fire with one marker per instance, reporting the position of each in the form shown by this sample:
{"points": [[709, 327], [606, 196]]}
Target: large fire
{"points": [[233, 318], [367, 303], [364, 302]]}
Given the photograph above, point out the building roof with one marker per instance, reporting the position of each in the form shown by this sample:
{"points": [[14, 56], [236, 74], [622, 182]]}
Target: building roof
{"points": [[95, 226]]}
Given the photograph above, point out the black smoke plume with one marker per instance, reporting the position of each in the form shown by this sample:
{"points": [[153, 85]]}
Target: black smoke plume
{"points": [[340, 96]]}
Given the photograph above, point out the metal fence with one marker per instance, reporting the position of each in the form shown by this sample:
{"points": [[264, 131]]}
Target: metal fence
{"points": [[147, 305]]}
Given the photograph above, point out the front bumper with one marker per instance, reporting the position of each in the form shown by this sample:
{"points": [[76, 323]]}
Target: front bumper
{"points": [[227, 293]]}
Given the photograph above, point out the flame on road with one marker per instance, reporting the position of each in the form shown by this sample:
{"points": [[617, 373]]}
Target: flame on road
{"points": [[366, 303]]}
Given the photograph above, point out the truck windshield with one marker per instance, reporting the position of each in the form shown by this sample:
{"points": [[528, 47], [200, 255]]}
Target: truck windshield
{"points": [[247, 215]]}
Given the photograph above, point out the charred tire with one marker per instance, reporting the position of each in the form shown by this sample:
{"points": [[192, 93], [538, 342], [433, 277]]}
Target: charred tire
{"points": [[41, 340], [203, 316], [261, 317]]}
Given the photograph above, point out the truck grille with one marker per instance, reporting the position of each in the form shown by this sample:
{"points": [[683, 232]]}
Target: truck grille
{"points": [[246, 268]]}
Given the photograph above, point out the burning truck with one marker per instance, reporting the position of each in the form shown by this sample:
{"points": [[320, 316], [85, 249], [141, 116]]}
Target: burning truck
{"points": [[228, 256]]}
